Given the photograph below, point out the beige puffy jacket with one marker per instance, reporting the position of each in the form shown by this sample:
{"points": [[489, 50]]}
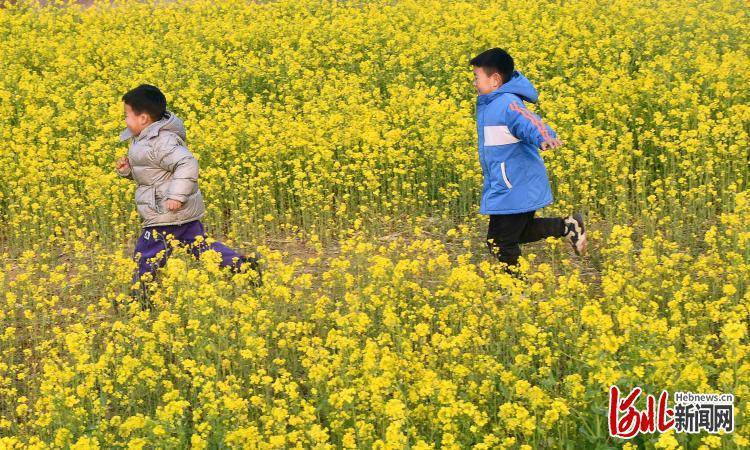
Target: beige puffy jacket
{"points": [[163, 168]]}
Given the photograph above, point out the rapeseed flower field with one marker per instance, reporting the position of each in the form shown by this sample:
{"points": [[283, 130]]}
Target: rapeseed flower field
{"points": [[338, 139]]}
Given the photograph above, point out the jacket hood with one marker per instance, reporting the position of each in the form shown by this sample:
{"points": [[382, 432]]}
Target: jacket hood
{"points": [[170, 122], [518, 85]]}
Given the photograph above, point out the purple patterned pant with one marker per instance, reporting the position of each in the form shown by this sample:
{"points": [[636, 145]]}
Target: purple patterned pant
{"points": [[150, 243]]}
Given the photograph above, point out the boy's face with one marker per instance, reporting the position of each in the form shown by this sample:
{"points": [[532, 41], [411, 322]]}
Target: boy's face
{"points": [[136, 122], [486, 83]]}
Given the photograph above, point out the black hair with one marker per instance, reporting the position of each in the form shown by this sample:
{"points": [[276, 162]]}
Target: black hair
{"points": [[495, 60], [147, 99]]}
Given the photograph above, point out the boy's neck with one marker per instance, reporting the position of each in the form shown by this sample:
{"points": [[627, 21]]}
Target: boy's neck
{"points": [[146, 127], [493, 90]]}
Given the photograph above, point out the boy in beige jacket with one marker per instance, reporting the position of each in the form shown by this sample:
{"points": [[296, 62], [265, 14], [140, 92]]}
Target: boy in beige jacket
{"points": [[167, 196]]}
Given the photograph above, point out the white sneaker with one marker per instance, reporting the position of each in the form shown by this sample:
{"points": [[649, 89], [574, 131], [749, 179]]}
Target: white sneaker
{"points": [[575, 233]]}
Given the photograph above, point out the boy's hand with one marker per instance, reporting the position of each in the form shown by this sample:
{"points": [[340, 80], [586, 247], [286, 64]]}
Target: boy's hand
{"points": [[172, 204], [551, 143], [122, 164]]}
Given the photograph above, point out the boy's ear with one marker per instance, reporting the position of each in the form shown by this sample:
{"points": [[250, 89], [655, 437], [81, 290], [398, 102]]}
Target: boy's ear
{"points": [[497, 79]]}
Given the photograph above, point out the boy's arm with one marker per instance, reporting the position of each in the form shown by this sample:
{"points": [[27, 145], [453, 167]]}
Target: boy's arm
{"points": [[177, 159], [527, 126]]}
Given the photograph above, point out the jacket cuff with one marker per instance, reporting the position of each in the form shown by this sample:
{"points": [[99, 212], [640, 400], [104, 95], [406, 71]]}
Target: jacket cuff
{"points": [[180, 198], [128, 174]]}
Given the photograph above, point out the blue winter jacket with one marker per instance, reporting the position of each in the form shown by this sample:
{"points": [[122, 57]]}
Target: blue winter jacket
{"points": [[515, 179]]}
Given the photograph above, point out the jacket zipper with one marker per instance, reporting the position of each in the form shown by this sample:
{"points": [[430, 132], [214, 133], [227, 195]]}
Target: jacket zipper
{"points": [[482, 150], [156, 201]]}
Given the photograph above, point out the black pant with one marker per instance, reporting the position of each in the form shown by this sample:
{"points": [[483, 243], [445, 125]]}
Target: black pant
{"points": [[506, 231]]}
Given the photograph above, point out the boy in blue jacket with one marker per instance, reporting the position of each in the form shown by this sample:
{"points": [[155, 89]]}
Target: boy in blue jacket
{"points": [[515, 179]]}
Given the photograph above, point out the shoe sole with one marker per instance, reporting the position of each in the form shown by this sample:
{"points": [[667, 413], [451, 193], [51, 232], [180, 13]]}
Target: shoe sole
{"points": [[582, 244]]}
